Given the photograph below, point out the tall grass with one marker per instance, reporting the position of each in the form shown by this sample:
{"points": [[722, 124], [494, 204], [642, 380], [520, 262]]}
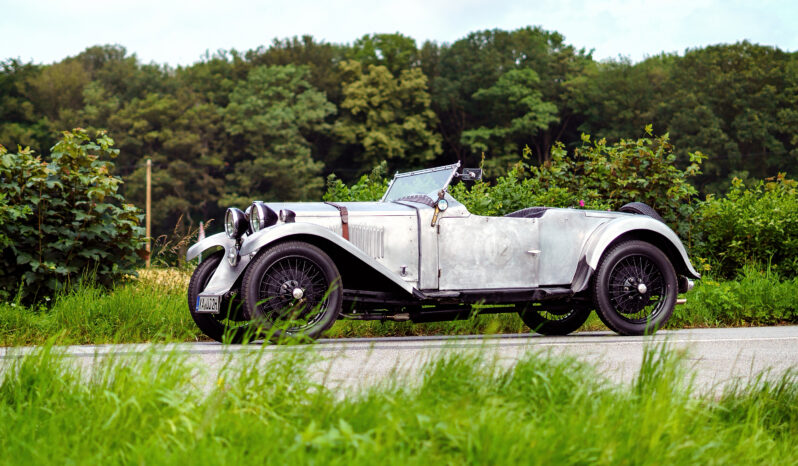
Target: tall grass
{"points": [[462, 408], [151, 308]]}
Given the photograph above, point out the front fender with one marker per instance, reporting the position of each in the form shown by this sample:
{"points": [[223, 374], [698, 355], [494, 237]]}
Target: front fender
{"points": [[607, 233], [283, 231], [219, 239]]}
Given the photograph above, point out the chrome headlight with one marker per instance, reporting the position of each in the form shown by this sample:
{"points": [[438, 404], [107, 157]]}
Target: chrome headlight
{"points": [[235, 223], [261, 216]]}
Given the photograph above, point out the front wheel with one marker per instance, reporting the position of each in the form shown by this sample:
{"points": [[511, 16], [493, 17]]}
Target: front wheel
{"points": [[291, 289], [634, 288], [547, 322], [215, 326]]}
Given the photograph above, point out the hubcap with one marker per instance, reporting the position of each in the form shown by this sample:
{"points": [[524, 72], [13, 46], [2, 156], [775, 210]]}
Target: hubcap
{"points": [[641, 288], [298, 293]]}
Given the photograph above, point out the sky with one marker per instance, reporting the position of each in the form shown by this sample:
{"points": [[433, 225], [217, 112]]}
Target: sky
{"points": [[180, 32]]}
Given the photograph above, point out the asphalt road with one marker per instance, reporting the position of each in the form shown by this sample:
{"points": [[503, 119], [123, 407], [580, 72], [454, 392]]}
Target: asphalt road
{"points": [[716, 356]]}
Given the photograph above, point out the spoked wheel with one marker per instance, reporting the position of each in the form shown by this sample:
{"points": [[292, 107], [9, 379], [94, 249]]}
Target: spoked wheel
{"points": [[553, 321], [635, 288], [215, 326], [292, 288]]}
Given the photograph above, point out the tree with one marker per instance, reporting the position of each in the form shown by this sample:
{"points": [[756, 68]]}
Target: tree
{"points": [[516, 105], [396, 52], [479, 60], [387, 118], [270, 118]]}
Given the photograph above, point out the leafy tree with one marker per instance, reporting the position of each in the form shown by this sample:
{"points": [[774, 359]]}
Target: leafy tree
{"points": [[480, 59], [396, 52], [734, 103], [387, 118], [515, 102], [271, 117], [20, 123]]}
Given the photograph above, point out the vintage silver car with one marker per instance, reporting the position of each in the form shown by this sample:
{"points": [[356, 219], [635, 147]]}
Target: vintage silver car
{"points": [[419, 255]]}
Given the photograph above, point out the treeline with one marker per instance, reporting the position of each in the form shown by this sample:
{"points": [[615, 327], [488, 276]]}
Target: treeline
{"points": [[272, 122]]}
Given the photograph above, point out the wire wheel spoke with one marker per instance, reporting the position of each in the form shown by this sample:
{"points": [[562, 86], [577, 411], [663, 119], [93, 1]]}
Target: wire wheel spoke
{"points": [[637, 288], [292, 290]]}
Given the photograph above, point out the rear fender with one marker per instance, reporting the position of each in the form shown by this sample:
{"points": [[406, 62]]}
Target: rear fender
{"points": [[630, 227]]}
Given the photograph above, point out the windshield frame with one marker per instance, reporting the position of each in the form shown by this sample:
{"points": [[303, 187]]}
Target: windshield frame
{"points": [[452, 167]]}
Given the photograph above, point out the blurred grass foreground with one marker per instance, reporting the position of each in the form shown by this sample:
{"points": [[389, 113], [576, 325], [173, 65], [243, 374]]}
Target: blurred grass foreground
{"points": [[460, 409]]}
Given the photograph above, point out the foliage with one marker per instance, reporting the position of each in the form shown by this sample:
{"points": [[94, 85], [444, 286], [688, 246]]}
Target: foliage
{"points": [[273, 114], [753, 297], [369, 187], [155, 409], [642, 170], [596, 175], [516, 104], [387, 117], [205, 124], [66, 217], [750, 225]]}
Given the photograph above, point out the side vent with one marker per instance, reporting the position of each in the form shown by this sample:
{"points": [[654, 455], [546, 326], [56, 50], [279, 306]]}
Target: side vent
{"points": [[370, 239]]}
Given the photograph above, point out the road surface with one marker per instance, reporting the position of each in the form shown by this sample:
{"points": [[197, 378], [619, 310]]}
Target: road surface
{"points": [[716, 356]]}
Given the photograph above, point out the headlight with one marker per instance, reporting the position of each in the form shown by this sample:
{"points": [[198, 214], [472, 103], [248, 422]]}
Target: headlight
{"points": [[261, 216], [235, 223]]}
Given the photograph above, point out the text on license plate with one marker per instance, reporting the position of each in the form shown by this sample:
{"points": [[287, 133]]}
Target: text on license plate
{"points": [[208, 304]]}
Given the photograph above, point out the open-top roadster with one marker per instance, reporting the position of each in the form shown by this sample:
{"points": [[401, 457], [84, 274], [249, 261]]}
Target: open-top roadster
{"points": [[419, 255]]}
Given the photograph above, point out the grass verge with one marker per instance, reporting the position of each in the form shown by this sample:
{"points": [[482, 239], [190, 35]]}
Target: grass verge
{"points": [[464, 409], [153, 308]]}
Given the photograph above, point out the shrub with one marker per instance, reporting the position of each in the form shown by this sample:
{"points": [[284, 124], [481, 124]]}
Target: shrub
{"points": [[642, 170], [65, 217], [757, 224], [369, 187]]}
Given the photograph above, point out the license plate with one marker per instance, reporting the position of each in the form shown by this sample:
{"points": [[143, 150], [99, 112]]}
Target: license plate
{"points": [[209, 304]]}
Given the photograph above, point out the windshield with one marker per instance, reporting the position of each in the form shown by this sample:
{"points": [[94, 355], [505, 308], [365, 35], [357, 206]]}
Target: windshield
{"points": [[420, 182]]}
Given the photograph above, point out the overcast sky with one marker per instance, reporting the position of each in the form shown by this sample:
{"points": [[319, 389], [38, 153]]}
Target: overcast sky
{"points": [[179, 32]]}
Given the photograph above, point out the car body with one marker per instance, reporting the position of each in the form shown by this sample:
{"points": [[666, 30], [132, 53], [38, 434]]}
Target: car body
{"points": [[418, 254]]}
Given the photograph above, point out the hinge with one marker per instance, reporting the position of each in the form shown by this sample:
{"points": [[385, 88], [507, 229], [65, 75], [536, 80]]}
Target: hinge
{"points": [[439, 228], [439, 273]]}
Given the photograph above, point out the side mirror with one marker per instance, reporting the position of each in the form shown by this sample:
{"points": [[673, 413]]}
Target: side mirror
{"points": [[471, 174]]}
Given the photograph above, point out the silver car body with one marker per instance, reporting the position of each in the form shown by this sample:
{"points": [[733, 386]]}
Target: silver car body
{"points": [[550, 249]]}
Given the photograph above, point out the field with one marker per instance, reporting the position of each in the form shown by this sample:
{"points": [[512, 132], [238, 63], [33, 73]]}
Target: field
{"points": [[461, 409], [153, 308]]}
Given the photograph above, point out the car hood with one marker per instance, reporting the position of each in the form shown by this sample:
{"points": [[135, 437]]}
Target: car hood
{"points": [[355, 209]]}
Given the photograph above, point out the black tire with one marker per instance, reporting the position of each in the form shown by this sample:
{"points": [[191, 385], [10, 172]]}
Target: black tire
{"points": [[549, 323], [641, 209], [271, 280], [210, 324], [621, 303]]}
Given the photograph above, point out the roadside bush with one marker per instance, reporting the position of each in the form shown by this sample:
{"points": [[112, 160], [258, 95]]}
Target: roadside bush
{"points": [[65, 217], [369, 187], [754, 297], [641, 170], [750, 225]]}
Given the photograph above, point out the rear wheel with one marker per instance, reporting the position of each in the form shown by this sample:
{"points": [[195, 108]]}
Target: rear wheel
{"points": [[554, 322], [292, 288], [634, 288]]}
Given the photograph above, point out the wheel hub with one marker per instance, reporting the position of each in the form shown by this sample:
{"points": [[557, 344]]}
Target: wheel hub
{"points": [[291, 288], [641, 288]]}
